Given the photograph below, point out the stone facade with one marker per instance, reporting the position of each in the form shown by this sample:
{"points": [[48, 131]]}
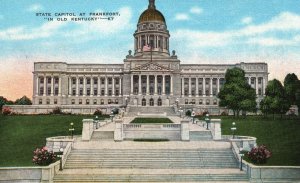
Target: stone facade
{"points": [[151, 76]]}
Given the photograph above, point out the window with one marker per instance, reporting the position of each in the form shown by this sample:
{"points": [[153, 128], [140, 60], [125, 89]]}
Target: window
{"points": [[88, 81], [143, 102], [95, 101], [74, 81], [200, 101], [117, 81], [259, 80], [41, 90], [56, 80], [159, 102], [215, 102], [73, 101], [109, 101], [186, 92], [102, 92], [151, 91], [259, 91], [42, 80], [117, 92], [109, 92], [80, 101], [116, 101], [214, 81], [81, 81], [73, 91], [144, 90], [200, 92], [214, 91], [55, 101], [102, 81], [186, 101], [95, 92], [207, 102], [109, 81], [207, 92], [200, 81], [40, 101], [80, 91], [193, 92], [88, 91], [252, 81], [102, 102], [48, 101], [87, 102], [56, 91], [49, 80], [48, 91], [159, 90], [95, 81]]}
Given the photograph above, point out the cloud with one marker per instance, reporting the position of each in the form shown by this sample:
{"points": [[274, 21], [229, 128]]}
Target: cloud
{"points": [[247, 20], [182, 16], [264, 34], [196, 10], [35, 8]]}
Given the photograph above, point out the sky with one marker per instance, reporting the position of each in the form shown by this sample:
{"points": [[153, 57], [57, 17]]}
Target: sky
{"points": [[202, 32]]}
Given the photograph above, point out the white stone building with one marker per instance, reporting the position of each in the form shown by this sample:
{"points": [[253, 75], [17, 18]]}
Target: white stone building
{"points": [[147, 77]]}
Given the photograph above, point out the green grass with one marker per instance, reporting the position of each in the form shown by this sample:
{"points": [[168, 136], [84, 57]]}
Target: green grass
{"points": [[20, 135], [151, 120], [281, 136]]}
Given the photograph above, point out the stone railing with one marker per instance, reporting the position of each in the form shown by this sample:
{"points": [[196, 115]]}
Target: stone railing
{"points": [[215, 128], [87, 129], [245, 142], [55, 143]]}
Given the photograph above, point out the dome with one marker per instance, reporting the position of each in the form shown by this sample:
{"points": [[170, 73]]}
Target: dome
{"points": [[151, 14]]}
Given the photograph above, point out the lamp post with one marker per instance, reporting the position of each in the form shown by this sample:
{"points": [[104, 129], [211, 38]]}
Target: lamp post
{"points": [[241, 154], [207, 120], [180, 111], [112, 116], [193, 116], [72, 129], [96, 120], [177, 101], [60, 155], [233, 129]]}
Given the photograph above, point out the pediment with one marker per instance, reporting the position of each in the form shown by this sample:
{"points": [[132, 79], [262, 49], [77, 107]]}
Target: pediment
{"points": [[151, 67]]}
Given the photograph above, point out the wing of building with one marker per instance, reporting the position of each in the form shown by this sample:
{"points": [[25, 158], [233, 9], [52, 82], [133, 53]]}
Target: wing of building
{"points": [[148, 76]]}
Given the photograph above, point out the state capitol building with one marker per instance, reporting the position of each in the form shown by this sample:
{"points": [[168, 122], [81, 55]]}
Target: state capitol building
{"points": [[150, 75]]}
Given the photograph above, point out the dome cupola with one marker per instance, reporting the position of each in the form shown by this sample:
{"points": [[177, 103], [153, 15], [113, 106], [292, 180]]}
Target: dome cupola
{"points": [[152, 14]]}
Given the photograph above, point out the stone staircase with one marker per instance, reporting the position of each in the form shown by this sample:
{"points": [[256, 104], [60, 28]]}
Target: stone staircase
{"points": [[133, 111], [200, 135], [151, 165], [102, 135]]}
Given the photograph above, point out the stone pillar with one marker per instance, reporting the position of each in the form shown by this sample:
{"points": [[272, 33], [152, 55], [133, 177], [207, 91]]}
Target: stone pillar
{"points": [[120, 86], [211, 87], [45, 85], [204, 87], [185, 130], [87, 129], [77, 86], [218, 85], [155, 84], [37, 85], [59, 86], [163, 85], [249, 80], [190, 87], [70, 86], [171, 85], [98, 89], [118, 130], [113, 86], [216, 129], [106, 86], [131, 90], [92, 86], [148, 85], [52, 85], [84, 85], [256, 85], [182, 87], [140, 84], [264, 86], [197, 87]]}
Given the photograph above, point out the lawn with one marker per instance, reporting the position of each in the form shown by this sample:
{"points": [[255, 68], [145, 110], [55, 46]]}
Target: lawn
{"points": [[20, 135], [151, 120], [281, 136]]}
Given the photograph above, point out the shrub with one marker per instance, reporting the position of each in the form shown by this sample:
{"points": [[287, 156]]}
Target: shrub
{"points": [[188, 113], [259, 155], [98, 112], [204, 113], [224, 113], [6, 110], [56, 110], [41, 156]]}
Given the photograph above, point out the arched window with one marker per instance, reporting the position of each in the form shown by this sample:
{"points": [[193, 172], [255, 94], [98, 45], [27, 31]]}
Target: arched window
{"points": [[159, 102], [143, 102], [151, 102]]}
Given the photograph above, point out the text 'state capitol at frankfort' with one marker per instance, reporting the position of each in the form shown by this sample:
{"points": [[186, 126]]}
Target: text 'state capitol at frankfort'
{"points": [[149, 76]]}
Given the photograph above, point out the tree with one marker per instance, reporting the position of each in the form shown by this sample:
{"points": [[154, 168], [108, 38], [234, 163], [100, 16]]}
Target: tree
{"points": [[3, 101], [275, 101], [237, 94], [298, 96], [290, 87], [23, 101]]}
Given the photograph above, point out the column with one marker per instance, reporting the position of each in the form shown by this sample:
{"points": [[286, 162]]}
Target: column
{"points": [[148, 85], [113, 86], [140, 84], [197, 87], [99, 90], [77, 86], [171, 85], [84, 85], [36, 85], [211, 87], [264, 86], [203, 87], [163, 85], [249, 80], [120, 86], [190, 87], [218, 85], [182, 87], [106, 86], [131, 89], [70, 86], [92, 86], [52, 84], [256, 85], [59, 86], [155, 85]]}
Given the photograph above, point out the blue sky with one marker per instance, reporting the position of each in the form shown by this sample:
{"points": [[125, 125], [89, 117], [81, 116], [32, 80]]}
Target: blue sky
{"points": [[202, 31]]}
